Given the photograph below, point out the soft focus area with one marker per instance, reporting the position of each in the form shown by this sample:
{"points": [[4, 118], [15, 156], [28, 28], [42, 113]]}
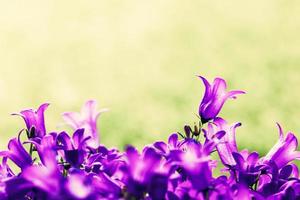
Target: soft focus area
{"points": [[140, 58]]}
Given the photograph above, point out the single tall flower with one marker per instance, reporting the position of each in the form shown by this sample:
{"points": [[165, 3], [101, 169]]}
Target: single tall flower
{"points": [[35, 119], [86, 119], [214, 98]]}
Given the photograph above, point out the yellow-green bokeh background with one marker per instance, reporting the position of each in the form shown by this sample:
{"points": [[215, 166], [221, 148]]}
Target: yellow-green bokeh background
{"points": [[140, 58]]}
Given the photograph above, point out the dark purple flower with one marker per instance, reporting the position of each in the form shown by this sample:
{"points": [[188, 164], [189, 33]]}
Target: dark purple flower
{"points": [[272, 179], [86, 119], [246, 170], [35, 119], [74, 148], [214, 98], [290, 190], [185, 190], [284, 151], [143, 172], [104, 160], [17, 188]]}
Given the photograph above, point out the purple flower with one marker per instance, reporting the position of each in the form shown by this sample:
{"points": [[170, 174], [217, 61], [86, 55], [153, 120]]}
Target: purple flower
{"points": [[227, 144], [47, 176], [18, 188], [144, 173], [5, 171], [35, 119], [246, 169], [104, 160], [275, 183], [48, 142], [165, 149], [86, 119], [79, 186], [60, 166], [196, 164], [284, 151], [17, 153], [74, 148], [214, 98], [105, 186]]}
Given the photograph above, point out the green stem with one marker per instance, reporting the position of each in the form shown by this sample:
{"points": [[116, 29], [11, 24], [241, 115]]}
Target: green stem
{"points": [[31, 149]]}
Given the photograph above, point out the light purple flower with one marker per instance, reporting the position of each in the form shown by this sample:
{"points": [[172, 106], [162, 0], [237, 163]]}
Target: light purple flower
{"points": [[35, 118], [79, 186], [284, 151], [86, 119], [227, 144], [214, 98], [5, 171]]}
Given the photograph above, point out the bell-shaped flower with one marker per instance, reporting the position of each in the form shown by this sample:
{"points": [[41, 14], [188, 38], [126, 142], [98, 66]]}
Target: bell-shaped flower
{"points": [[17, 153], [214, 98], [227, 144], [43, 144], [74, 149], [246, 169], [284, 151], [143, 173], [34, 120], [86, 119]]}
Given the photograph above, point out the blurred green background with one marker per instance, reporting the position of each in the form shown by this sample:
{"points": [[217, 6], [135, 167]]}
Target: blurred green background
{"points": [[140, 58]]}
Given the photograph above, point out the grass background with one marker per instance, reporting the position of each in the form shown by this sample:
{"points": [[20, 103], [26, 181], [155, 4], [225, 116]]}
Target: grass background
{"points": [[140, 58]]}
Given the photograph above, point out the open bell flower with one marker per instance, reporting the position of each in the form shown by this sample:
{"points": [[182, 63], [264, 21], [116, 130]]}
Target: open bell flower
{"points": [[74, 148], [35, 119], [214, 98], [284, 151], [86, 119], [75, 167], [227, 144]]}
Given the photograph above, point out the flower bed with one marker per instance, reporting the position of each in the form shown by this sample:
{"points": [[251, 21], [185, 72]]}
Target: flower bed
{"points": [[56, 165]]}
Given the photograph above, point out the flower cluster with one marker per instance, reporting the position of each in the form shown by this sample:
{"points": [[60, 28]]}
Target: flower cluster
{"points": [[60, 165]]}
